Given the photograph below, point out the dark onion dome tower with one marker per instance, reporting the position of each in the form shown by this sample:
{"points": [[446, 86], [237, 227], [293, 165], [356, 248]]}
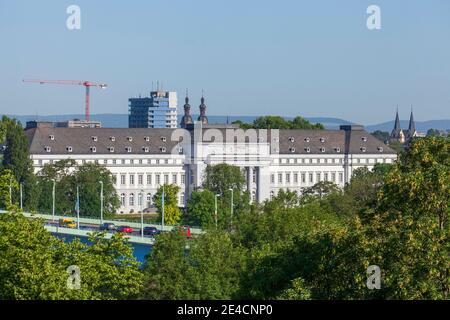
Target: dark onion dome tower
{"points": [[203, 118], [187, 119]]}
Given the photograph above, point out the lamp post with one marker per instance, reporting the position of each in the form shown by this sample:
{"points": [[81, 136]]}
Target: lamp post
{"points": [[142, 213], [232, 208], [78, 208], [215, 208], [21, 196], [162, 211], [101, 202], [10, 191], [53, 200]]}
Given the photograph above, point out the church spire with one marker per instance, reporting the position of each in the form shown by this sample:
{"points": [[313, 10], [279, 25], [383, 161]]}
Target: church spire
{"points": [[187, 119], [397, 127], [203, 118], [412, 123]]}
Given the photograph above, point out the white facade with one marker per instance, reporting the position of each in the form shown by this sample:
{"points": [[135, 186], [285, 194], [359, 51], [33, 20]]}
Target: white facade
{"points": [[269, 163]]}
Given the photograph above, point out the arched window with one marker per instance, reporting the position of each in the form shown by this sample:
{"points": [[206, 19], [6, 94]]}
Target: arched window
{"points": [[149, 200], [131, 200], [122, 199]]}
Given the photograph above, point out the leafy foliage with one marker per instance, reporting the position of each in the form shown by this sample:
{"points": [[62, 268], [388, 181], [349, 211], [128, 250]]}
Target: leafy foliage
{"points": [[172, 213]]}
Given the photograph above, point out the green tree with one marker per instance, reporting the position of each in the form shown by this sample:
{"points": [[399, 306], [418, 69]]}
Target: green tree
{"points": [[33, 264], [172, 213], [7, 181], [87, 177], [381, 135], [16, 158], [201, 208], [208, 267]]}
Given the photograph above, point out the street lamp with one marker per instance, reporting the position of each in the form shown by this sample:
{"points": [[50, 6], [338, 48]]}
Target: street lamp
{"points": [[162, 211], [21, 196], [53, 200], [101, 202], [232, 207], [215, 208], [78, 207], [142, 212]]}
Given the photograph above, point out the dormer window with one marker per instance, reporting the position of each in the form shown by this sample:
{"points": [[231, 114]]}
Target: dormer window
{"points": [[163, 139], [52, 137], [128, 149], [94, 138], [380, 149], [48, 149], [292, 149], [308, 149], [113, 139], [130, 139], [322, 139], [93, 149], [307, 139], [363, 149], [322, 149], [364, 139], [147, 139], [146, 149], [111, 149], [69, 149], [291, 139], [337, 150], [163, 149]]}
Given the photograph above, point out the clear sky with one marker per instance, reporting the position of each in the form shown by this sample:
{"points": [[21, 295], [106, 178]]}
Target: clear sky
{"points": [[252, 57]]}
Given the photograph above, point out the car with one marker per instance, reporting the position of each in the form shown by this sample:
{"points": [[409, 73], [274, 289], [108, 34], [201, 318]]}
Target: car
{"points": [[107, 226], [125, 229], [151, 231], [185, 230], [67, 223]]}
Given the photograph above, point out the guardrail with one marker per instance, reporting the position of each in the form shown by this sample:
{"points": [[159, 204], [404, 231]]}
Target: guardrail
{"points": [[135, 225], [85, 233]]}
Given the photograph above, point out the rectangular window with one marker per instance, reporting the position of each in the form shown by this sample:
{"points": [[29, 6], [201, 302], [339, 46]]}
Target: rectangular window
{"points": [[311, 178], [149, 179], [131, 179], [288, 178], [140, 179], [166, 179], [333, 177], [325, 176], [122, 179], [303, 177], [183, 179], [174, 179], [158, 179], [280, 178], [341, 177], [317, 177], [272, 178], [295, 177]]}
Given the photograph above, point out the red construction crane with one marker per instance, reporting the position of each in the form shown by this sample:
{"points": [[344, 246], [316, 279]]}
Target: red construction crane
{"points": [[87, 84]]}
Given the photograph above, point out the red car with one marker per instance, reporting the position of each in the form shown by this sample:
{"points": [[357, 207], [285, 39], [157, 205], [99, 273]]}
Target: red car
{"points": [[185, 230], [125, 229]]}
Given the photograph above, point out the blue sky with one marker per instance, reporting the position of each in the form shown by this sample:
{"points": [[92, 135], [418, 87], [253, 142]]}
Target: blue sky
{"points": [[252, 57]]}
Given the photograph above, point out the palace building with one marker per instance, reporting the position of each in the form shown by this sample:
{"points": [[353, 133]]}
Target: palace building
{"points": [[142, 159]]}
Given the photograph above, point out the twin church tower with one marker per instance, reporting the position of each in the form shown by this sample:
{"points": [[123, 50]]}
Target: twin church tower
{"points": [[403, 136], [187, 118]]}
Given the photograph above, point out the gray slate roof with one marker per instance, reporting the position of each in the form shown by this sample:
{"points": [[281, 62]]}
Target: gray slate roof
{"points": [[290, 141]]}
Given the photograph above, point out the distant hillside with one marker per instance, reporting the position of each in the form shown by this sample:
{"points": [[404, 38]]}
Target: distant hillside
{"points": [[121, 120], [421, 126]]}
